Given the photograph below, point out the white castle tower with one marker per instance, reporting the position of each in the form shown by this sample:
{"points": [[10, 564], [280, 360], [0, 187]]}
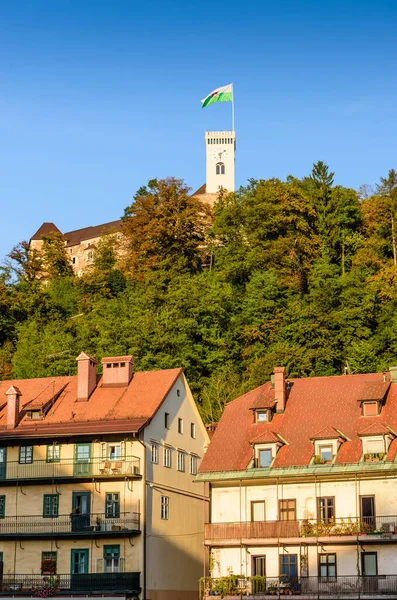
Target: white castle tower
{"points": [[220, 147]]}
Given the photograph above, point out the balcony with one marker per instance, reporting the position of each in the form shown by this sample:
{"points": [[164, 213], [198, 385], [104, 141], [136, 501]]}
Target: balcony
{"points": [[349, 586], [370, 529], [67, 468], [127, 583], [76, 526]]}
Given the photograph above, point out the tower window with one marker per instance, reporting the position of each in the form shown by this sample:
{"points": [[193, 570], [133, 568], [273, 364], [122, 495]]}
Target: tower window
{"points": [[220, 169]]}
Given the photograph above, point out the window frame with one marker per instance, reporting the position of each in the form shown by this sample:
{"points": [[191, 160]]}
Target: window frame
{"points": [[289, 564], [53, 558], [326, 518], [167, 420], [262, 412], [167, 457], [54, 458], [180, 425], [327, 565], [116, 557], [110, 503], [252, 510], [323, 447], [370, 403], [154, 453], [25, 449], [282, 511], [193, 430], [258, 457], [181, 461], [51, 506], [164, 508], [193, 464]]}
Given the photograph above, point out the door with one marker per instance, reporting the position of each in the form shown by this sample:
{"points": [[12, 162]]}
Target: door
{"points": [[82, 464], [81, 508], [368, 512], [259, 569], [3, 462], [369, 566], [79, 580]]}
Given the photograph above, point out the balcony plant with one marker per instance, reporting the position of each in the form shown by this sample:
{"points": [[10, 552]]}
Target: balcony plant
{"points": [[258, 584], [49, 587], [48, 567], [374, 456], [228, 586]]}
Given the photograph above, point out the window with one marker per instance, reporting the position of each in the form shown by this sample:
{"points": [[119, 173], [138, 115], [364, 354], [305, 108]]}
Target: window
{"points": [[325, 453], [2, 507], [287, 510], [181, 460], [166, 420], [326, 566], [258, 510], [261, 416], [193, 465], [193, 430], [375, 446], [53, 453], [326, 508], [50, 505], [167, 457], [111, 559], [264, 457], [259, 568], [115, 452], [180, 425], [289, 565], [74, 260], [25, 455], [220, 169], [112, 505], [48, 563], [165, 506], [370, 409], [155, 454]]}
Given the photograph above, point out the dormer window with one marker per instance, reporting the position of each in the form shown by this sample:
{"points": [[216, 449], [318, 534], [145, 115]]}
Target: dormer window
{"points": [[264, 457], [370, 409], [34, 415], [326, 453], [262, 416]]}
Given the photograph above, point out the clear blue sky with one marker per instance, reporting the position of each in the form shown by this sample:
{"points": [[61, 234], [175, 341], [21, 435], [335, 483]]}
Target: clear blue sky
{"points": [[97, 97]]}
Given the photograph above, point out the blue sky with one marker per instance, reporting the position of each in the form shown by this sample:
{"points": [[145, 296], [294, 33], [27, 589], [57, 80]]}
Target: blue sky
{"points": [[98, 97]]}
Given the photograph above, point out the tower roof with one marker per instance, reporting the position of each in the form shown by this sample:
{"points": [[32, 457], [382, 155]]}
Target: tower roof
{"points": [[45, 229]]}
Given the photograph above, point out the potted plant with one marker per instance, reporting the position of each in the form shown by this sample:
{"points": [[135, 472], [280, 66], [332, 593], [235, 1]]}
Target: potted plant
{"points": [[98, 524], [48, 567]]}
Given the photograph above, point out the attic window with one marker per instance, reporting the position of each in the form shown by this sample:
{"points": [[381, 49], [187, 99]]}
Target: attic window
{"points": [[326, 453], [34, 415], [264, 457], [116, 365], [262, 416], [122, 365], [370, 409], [108, 365]]}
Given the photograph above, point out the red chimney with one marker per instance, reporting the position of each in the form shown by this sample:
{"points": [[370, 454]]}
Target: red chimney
{"points": [[13, 395], [117, 371], [86, 376], [279, 388]]}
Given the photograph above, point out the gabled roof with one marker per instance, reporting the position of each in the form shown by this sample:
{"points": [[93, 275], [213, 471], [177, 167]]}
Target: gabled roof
{"points": [[265, 437], [326, 433], [314, 404], [87, 233], [108, 409], [201, 190], [377, 428], [374, 390], [45, 229]]}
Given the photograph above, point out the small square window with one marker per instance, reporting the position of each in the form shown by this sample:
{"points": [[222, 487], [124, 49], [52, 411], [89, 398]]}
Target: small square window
{"points": [[261, 416], [108, 365], [48, 563], [264, 457], [180, 425], [193, 430], [326, 453], [370, 409]]}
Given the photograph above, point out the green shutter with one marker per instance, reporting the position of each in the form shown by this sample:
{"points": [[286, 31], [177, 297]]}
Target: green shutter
{"points": [[111, 551]]}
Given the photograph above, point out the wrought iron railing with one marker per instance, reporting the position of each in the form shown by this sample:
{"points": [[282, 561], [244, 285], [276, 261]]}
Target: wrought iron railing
{"points": [[311, 586], [382, 526], [68, 468], [81, 582], [71, 523]]}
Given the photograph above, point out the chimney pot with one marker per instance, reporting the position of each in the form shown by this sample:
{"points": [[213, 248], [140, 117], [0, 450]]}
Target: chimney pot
{"points": [[13, 394], [279, 388], [117, 371], [86, 376]]}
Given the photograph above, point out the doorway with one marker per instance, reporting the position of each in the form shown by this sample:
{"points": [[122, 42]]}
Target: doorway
{"points": [[81, 511], [367, 506], [369, 567], [259, 569]]}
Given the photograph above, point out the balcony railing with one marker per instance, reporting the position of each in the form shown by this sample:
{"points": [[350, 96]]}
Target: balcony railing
{"points": [[385, 527], [99, 523], [82, 582], [71, 468], [354, 586]]}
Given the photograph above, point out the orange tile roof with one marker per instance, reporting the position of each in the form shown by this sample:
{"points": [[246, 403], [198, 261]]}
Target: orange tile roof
{"points": [[107, 408], [326, 433], [313, 404], [377, 428]]}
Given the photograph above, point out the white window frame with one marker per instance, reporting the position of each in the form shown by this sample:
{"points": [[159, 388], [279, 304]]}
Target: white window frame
{"points": [[261, 412], [167, 457], [193, 430], [193, 464], [181, 461], [180, 425], [165, 508], [155, 453]]}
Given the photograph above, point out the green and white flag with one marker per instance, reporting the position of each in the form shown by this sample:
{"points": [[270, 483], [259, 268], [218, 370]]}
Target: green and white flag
{"points": [[221, 94]]}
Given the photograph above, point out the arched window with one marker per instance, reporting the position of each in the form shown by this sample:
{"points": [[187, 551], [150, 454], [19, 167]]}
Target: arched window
{"points": [[220, 169]]}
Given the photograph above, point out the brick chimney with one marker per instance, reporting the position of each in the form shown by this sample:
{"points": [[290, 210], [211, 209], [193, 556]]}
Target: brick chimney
{"points": [[280, 394], [117, 371], [13, 394], [86, 376]]}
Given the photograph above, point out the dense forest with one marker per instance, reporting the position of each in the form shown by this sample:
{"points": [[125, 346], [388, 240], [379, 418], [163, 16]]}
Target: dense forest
{"points": [[301, 273]]}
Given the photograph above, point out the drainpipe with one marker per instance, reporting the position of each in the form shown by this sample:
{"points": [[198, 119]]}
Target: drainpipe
{"points": [[144, 517]]}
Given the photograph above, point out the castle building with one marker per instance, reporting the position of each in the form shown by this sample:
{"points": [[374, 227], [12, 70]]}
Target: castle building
{"points": [[96, 484], [220, 147], [303, 489]]}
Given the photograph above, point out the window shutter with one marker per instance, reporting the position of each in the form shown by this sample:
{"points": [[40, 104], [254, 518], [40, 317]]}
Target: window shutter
{"points": [[122, 449], [99, 565], [104, 450], [121, 568]]}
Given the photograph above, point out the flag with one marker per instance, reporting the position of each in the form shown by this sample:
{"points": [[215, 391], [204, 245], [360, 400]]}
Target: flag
{"points": [[222, 94]]}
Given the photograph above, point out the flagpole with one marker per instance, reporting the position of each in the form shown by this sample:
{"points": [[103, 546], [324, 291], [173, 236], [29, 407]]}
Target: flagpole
{"points": [[232, 108]]}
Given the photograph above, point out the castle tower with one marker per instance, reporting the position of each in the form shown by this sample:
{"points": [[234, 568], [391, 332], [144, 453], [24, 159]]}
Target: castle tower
{"points": [[220, 147]]}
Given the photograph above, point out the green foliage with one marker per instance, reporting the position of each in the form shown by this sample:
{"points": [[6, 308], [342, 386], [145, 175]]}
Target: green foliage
{"points": [[302, 274]]}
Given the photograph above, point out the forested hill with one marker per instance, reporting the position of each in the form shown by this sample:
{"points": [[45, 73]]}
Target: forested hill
{"points": [[301, 273]]}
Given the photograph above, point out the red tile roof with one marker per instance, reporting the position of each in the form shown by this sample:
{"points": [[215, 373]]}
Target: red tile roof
{"points": [[327, 433], [313, 404], [377, 428], [374, 390], [265, 437], [127, 409]]}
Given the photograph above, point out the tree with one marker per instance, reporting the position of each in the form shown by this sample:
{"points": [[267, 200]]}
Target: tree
{"points": [[387, 188], [55, 260], [165, 228]]}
